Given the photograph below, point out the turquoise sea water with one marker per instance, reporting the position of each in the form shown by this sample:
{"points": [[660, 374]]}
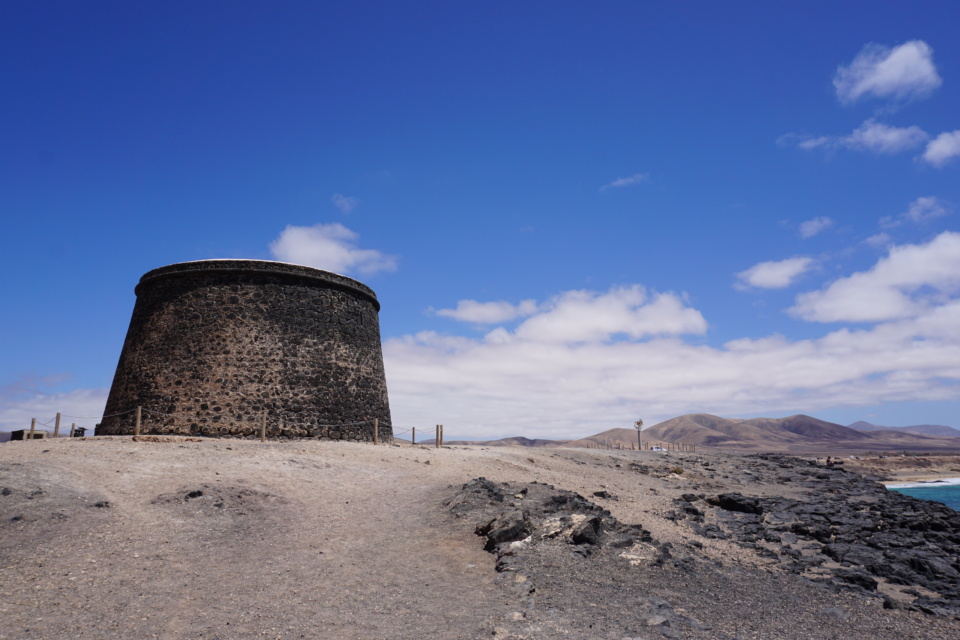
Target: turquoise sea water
{"points": [[948, 495]]}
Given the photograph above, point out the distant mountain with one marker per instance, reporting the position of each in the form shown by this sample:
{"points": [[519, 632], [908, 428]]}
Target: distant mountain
{"points": [[610, 439], [795, 434], [757, 433], [936, 430]]}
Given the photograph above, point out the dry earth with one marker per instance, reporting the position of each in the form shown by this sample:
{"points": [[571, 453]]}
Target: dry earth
{"points": [[104, 538], [908, 468]]}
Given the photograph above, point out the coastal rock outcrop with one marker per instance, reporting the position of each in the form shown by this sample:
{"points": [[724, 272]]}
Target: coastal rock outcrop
{"points": [[849, 532]]}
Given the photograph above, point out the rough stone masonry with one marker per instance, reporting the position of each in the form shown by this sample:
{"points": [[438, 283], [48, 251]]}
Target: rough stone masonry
{"points": [[214, 345]]}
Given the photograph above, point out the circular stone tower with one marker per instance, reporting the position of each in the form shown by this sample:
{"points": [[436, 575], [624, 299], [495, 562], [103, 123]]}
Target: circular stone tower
{"points": [[214, 345]]}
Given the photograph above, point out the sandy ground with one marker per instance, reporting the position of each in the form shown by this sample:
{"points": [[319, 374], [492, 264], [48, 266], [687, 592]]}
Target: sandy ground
{"points": [[109, 538], [908, 468]]}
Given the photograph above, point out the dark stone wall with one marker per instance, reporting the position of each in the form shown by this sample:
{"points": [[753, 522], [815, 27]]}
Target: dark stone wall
{"points": [[214, 344]]}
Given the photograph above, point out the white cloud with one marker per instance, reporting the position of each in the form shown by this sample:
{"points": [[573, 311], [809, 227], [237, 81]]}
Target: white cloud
{"points": [[515, 383], [81, 406], [331, 247], [902, 72], [943, 148], [871, 136], [808, 142], [346, 204], [810, 228], [920, 211], [881, 138], [588, 316], [774, 275], [488, 312], [879, 240], [925, 209], [636, 178], [906, 283]]}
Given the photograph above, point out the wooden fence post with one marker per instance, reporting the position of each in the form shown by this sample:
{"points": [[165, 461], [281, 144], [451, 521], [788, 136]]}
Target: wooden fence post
{"points": [[437, 439], [56, 427], [136, 425], [376, 431], [33, 427], [441, 435], [73, 426], [263, 427], [413, 436]]}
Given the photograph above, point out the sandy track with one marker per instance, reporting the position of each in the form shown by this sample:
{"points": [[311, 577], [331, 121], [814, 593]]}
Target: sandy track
{"points": [[286, 540]]}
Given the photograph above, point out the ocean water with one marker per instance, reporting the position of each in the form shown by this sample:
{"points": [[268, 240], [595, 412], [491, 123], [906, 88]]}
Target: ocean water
{"points": [[947, 494]]}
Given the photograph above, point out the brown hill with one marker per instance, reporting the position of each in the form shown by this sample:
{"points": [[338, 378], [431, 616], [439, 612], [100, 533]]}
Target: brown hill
{"points": [[936, 430], [794, 434], [703, 430], [609, 439]]}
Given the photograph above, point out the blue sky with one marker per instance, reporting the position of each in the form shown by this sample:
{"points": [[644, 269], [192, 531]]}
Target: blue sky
{"points": [[574, 214]]}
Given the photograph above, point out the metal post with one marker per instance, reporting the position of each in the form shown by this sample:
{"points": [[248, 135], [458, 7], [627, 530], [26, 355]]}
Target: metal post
{"points": [[56, 427], [413, 435]]}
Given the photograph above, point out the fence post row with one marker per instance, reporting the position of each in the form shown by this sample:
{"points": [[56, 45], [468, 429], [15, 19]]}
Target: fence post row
{"points": [[263, 428]]}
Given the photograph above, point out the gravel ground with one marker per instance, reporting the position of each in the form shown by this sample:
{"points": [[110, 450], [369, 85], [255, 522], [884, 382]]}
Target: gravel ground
{"points": [[177, 538]]}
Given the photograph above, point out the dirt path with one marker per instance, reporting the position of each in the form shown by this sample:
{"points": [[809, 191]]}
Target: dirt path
{"points": [[263, 542]]}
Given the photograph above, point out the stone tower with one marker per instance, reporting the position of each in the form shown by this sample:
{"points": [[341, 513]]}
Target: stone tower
{"points": [[215, 344]]}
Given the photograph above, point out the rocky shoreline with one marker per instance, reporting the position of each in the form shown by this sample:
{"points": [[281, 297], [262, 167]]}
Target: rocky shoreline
{"points": [[849, 532], [839, 533]]}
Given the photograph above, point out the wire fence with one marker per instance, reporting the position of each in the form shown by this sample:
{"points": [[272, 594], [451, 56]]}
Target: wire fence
{"points": [[80, 429]]}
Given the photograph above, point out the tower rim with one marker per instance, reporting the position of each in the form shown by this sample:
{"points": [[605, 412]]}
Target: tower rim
{"points": [[256, 267]]}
